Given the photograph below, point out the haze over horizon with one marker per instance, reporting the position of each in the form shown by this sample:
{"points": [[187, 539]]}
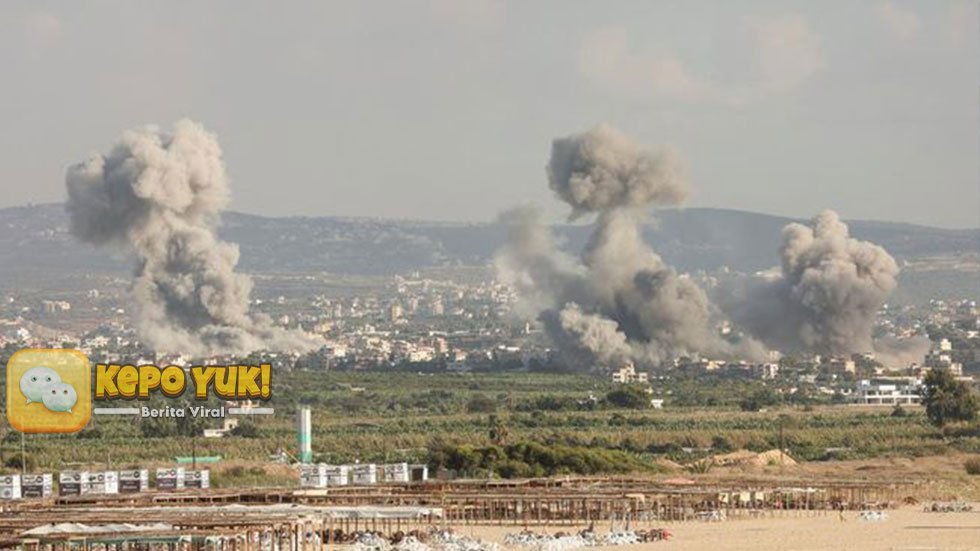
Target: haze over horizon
{"points": [[442, 110]]}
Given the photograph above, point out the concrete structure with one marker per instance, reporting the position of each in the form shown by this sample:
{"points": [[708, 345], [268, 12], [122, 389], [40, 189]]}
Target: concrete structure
{"points": [[37, 485], [627, 374], [396, 472], [889, 391], [10, 486], [338, 475], [304, 433], [197, 479], [171, 478], [313, 475], [941, 357], [420, 473], [767, 371], [132, 481], [365, 473], [842, 365], [72, 483], [101, 482]]}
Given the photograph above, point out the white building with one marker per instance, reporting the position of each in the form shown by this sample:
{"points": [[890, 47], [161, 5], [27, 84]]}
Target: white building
{"points": [[54, 306], [768, 370], [628, 374], [941, 356], [889, 391]]}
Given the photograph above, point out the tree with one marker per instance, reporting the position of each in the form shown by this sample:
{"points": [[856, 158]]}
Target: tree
{"points": [[946, 399], [629, 397]]}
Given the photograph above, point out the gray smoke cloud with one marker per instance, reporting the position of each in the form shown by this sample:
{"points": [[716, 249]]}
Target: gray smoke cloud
{"points": [[895, 352], [619, 300], [158, 194], [602, 170], [826, 294]]}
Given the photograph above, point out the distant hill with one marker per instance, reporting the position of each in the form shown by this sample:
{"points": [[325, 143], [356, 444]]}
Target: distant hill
{"points": [[34, 239]]}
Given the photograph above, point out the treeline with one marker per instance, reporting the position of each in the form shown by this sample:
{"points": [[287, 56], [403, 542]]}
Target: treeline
{"points": [[530, 459]]}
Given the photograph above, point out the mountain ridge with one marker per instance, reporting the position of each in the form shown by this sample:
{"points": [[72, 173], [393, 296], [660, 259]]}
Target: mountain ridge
{"points": [[36, 237]]}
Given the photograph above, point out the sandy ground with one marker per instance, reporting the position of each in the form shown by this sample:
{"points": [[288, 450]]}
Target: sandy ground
{"points": [[908, 529]]}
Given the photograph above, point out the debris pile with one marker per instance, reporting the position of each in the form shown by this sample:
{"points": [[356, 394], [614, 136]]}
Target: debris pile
{"points": [[448, 540], [370, 541], [874, 516], [712, 516], [956, 507], [562, 541], [435, 540], [410, 543]]}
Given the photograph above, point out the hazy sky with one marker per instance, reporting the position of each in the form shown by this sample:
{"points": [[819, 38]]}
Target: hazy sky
{"points": [[446, 109]]}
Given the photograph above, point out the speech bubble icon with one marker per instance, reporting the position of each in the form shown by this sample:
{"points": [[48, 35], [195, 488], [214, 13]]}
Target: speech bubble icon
{"points": [[35, 380], [59, 397]]}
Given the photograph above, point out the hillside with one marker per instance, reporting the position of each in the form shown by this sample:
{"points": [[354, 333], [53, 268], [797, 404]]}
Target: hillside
{"points": [[34, 242]]}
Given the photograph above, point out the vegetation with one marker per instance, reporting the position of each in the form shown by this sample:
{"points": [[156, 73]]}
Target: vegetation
{"points": [[630, 397], [972, 465], [495, 423], [762, 398], [527, 459]]}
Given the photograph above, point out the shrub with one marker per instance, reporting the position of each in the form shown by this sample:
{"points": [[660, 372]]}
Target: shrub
{"points": [[480, 403], [701, 467], [972, 465], [720, 443], [764, 397], [246, 430]]}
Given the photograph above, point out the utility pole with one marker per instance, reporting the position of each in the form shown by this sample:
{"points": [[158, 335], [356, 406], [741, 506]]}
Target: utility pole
{"points": [[782, 446]]}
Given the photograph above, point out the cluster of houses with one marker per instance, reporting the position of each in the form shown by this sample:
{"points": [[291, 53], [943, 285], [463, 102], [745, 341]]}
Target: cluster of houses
{"points": [[884, 387]]}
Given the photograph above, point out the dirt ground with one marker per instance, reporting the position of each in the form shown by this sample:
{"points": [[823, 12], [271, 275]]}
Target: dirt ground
{"points": [[908, 528], [941, 478]]}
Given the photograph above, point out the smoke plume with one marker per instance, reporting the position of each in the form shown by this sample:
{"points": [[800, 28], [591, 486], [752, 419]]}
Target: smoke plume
{"points": [[158, 194], [619, 300], [824, 298], [602, 170]]}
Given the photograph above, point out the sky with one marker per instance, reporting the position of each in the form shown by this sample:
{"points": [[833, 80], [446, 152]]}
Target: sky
{"points": [[445, 109]]}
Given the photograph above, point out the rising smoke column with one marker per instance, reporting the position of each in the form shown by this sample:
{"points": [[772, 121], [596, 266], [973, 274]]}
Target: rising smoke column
{"points": [[158, 194], [825, 297], [619, 301]]}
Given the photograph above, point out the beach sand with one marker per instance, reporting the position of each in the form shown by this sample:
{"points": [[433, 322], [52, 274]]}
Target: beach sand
{"points": [[908, 528]]}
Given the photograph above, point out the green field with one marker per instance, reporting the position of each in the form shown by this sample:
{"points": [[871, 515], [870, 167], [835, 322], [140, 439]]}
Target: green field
{"points": [[507, 424]]}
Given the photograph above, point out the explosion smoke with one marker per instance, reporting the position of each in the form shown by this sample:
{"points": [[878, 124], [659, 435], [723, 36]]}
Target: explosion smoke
{"points": [[826, 295], [159, 195], [621, 301], [603, 170]]}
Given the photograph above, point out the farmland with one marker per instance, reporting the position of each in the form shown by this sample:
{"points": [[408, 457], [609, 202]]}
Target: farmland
{"points": [[505, 424]]}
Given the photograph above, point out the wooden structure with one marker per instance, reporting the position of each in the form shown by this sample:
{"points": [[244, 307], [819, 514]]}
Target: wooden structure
{"points": [[264, 519]]}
